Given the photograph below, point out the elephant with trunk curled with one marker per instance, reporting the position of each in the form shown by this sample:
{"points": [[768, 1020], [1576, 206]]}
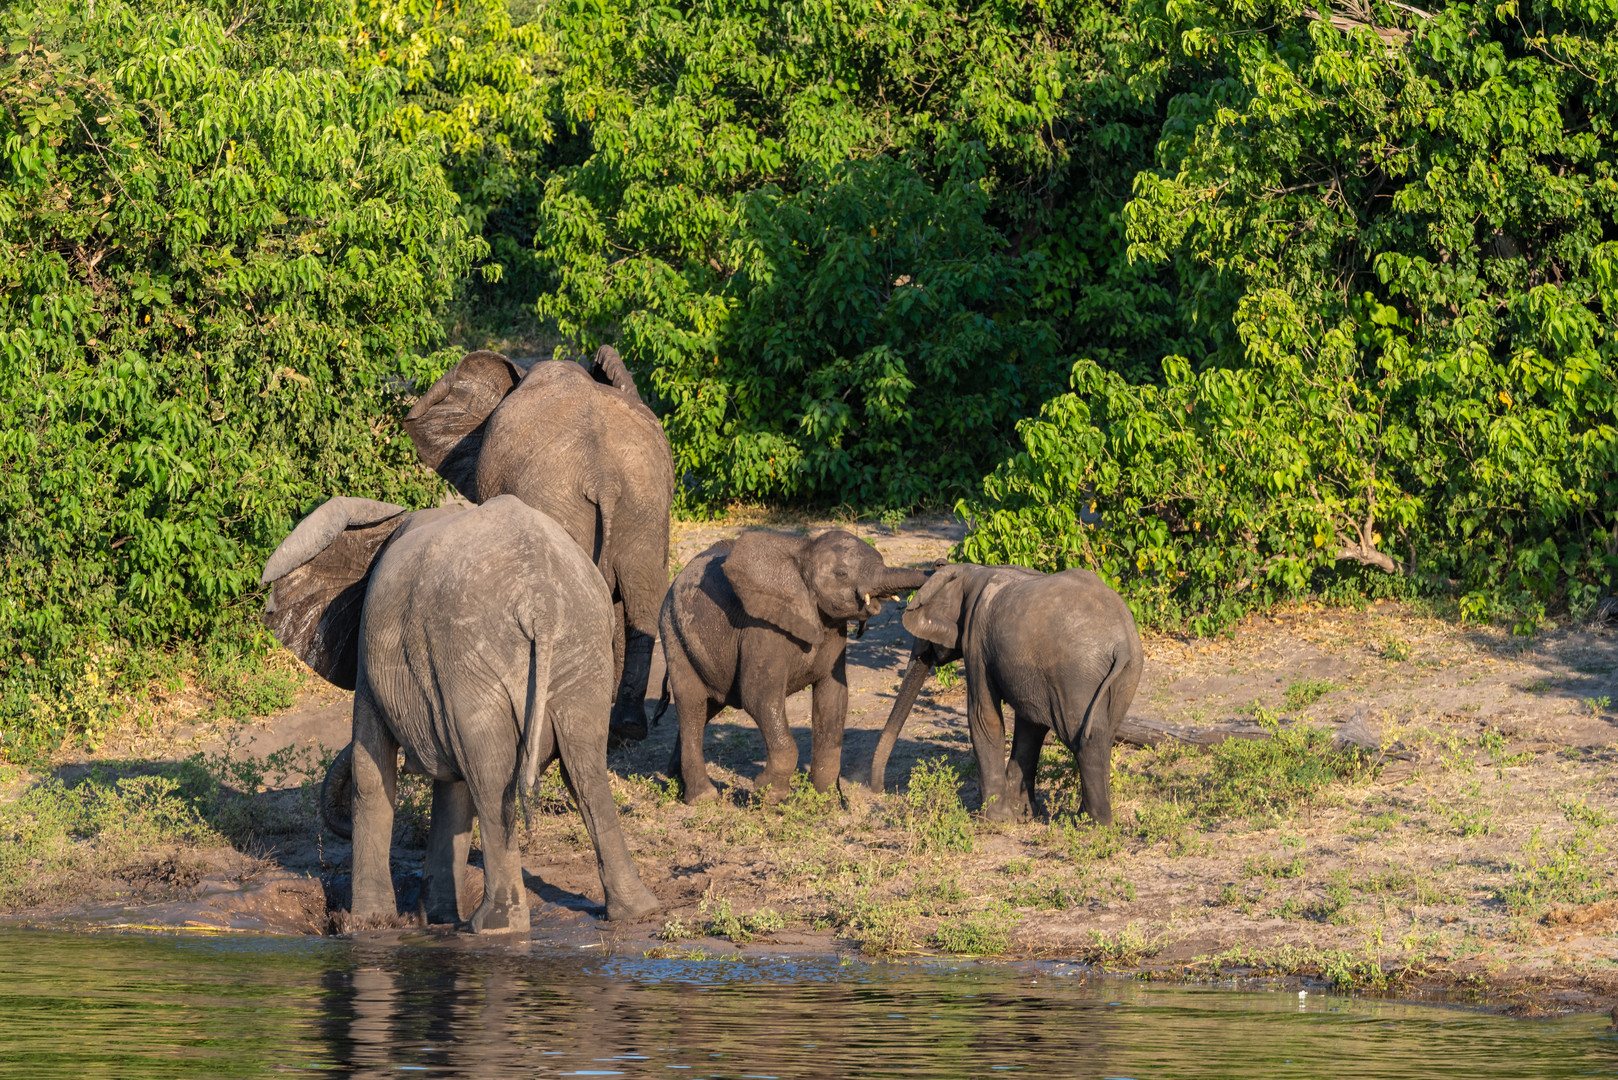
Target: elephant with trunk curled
{"points": [[580, 445], [1061, 649], [750, 621], [478, 641]]}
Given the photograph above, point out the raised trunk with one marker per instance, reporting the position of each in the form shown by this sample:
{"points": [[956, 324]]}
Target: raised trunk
{"points": [[914, 677]]}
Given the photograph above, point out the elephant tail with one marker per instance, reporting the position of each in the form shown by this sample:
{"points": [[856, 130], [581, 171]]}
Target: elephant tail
{"points": [[533, 728], [1110, 696], [337, 795]]}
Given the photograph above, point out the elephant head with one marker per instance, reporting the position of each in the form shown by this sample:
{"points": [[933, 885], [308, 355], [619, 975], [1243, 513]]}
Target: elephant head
{"points": [[800, 585], [318, 577], [448, 421]]}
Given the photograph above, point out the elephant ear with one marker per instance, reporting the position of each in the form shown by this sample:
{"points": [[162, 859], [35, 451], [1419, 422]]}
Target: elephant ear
{"points": [[447, 423], [763, 571], [608, 367], [934, 614], [318, 577]]}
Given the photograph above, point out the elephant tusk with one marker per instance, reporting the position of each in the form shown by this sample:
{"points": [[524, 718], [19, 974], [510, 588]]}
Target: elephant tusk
{"points": [[865, 600]]}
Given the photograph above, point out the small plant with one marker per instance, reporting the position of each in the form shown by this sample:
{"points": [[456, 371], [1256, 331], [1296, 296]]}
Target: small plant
{"points": [[739, 929], [893, 518], [948, 675], [1086, 841], [1561, 873], [1305, 692], [1394, 649], [933, 809], [1128, 947], [1273, 867], [987, 933], [1578, 811], [1598, 705], [1229, 896], [676, 930]]}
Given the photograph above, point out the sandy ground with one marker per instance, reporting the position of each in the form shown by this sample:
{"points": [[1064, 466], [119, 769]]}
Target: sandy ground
{"points": [[1495, 773]]}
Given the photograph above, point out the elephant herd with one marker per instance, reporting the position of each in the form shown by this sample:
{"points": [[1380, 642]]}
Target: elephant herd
{"points": [[486, 642]]}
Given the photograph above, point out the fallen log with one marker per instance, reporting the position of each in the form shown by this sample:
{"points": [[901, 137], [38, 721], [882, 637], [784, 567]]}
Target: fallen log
{"points": [[1139, 731]]}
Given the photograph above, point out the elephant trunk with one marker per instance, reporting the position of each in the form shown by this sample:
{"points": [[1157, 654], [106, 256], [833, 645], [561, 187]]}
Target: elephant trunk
{"points": [[896, 581], [914, 677], [337, 795]]}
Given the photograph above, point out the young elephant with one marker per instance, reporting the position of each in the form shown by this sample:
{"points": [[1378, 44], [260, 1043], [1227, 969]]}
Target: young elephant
{"points": [[479, 641], [752, 620], [1061, 649]]}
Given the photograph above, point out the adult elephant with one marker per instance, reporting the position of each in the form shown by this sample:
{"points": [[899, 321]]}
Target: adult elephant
{"points": [[750, 621], [581, 446], [479, 641], [1061, 649]]}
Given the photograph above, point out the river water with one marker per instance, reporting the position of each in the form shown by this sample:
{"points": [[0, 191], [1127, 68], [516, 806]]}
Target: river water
{"points": [[92, 1006]]}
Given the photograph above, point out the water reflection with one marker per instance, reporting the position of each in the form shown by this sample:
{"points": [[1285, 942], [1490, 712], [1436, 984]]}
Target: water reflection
{"points": [[84, 1007]]}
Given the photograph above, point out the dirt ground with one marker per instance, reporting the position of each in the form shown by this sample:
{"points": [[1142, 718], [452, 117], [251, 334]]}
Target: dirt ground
{"points": [[1470, 854]]}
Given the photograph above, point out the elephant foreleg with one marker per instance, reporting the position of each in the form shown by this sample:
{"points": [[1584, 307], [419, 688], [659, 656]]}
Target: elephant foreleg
{"points": [[828, 713], [375, 780], [988, 730], [449, 838], [768, 708], [1022, 770], [629, 710], [584, 770]]}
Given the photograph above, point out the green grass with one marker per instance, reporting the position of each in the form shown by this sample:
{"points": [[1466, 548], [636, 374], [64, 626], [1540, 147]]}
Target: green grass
{"points": [[985, 933], [932, 809], [1305, 692], [1128, 947]]}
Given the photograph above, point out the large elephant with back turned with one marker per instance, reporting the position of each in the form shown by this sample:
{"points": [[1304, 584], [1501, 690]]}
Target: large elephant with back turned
{"points": [[580, 445], [479, 641], [1061, 649]]}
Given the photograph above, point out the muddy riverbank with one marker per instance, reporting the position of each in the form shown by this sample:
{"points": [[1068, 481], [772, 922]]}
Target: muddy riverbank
{"points": [[1469, 852]]}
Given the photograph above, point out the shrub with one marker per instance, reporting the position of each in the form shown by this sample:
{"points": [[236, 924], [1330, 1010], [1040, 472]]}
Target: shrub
{"points": [[1412, 243], [220, 263]]}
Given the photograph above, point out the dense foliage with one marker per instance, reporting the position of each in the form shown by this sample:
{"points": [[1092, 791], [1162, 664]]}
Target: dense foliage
{"points": [[1411, 229], [1231, 299], [219, 265]]}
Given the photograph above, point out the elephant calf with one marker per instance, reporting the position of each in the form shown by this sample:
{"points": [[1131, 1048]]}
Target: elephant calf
{"points": [[752, 620], [479, 641], [1061, 649]]}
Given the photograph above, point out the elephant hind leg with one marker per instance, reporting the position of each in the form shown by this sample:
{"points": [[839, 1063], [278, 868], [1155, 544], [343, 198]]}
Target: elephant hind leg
{"points": [[581, 740], [492, 781], [1027, 739], [449, 837]]}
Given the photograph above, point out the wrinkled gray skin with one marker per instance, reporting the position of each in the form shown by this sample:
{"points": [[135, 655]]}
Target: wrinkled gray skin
{"points": [[750, 621], [479, 641], [1061, 649], [580, 445]]}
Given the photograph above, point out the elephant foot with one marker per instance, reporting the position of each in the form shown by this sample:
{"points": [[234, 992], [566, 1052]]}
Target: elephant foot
{"points": [[773, 787], [999, 811], [493, 918], [703, 793], [640, 903], [626, 733]]}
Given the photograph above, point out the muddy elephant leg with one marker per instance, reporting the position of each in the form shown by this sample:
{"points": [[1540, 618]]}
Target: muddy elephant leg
{"points": [[768, 708], [1027, 738], [988, 730], [1093, 748], [828, 712], [375, 779], [493, 784], [629, 711], [583, 747], [449, 838]]}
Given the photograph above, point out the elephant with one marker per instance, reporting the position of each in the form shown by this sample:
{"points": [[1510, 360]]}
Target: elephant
{"points": [[1061, 649], [478, 640], [581, 446], [750, 621]]}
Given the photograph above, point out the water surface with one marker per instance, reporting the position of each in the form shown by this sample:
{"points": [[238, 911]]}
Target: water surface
{"points": [[91, 1006]]}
